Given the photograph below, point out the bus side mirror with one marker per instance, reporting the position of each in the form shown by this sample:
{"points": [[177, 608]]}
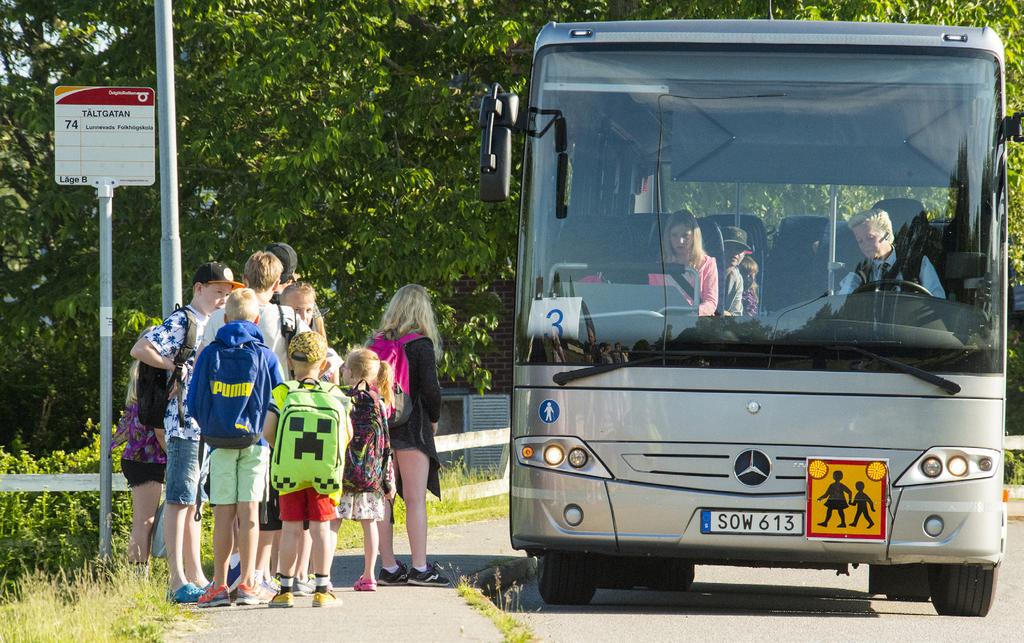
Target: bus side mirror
{"points": [[1013, 127], [498, 114]]}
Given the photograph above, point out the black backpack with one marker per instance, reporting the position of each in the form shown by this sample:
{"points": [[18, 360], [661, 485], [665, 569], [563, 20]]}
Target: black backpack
{"points": [[154, 385]]}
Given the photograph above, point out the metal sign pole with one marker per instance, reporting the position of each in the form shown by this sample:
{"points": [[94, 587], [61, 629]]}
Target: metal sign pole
{"points": [[105, 195], [170, 242]]}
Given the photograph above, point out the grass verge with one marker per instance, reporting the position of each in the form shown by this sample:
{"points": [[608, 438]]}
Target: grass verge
{"points": [[512, 631], [92, 604]]}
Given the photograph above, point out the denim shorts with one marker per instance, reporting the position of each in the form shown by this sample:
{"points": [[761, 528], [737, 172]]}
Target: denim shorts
{"points": [[182, 471]]}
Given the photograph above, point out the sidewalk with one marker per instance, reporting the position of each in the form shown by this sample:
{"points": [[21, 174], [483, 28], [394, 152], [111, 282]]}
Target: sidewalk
{"points": [[396, 613]]}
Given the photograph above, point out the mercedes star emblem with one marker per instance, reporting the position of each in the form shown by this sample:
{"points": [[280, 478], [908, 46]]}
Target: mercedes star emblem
{"points": [[752, 467]]}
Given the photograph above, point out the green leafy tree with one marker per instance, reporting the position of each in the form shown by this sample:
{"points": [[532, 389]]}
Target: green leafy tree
{"points": [[348, 129]]}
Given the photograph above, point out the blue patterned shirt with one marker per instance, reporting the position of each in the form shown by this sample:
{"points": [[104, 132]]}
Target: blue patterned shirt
{"points": [[167, 338]]}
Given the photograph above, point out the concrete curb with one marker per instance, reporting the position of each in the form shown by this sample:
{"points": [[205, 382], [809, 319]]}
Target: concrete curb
{"points": [[515, 571]]}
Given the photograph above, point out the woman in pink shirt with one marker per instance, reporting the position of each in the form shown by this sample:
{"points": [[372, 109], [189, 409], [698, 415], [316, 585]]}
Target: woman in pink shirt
{"points": [[682, 244]]}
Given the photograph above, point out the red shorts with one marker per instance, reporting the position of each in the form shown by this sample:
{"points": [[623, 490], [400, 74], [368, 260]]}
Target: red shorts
{"points": [[306, 504]]}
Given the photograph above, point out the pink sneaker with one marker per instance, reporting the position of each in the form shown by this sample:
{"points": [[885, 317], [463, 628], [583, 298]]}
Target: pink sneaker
{"points": [[365, 585]]}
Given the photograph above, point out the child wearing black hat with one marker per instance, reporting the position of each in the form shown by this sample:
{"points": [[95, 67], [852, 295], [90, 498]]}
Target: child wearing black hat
{"points": [[159, 348]]}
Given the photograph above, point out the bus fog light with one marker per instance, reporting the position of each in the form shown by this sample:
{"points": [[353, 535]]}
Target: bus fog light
{"points": [[553, 455], [578, 458], [931, 467], [985, 464], [957, 466], [573, 515], [933, 526]]}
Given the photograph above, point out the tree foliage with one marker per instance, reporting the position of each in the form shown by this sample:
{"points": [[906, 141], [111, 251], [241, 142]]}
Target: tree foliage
{"points": [[347, 129]]}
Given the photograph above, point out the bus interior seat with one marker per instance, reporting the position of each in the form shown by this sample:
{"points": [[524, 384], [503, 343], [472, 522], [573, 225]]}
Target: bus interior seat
{"points": [[792, 261], [901, 211], [714, 246], [608, 245]]}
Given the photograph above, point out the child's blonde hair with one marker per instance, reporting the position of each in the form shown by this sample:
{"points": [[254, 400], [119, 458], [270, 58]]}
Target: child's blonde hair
{"points": [[364, 364], [304, 289], [410, 311], [262, 271], [242, 304], [130, 396]]}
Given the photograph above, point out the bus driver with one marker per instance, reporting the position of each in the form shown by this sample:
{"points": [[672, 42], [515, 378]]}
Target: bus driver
{"points": [[873, 231]]}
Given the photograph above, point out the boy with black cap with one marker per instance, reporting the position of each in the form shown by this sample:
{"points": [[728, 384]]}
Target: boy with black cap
{"points": [[730, 299], [211, 285]]}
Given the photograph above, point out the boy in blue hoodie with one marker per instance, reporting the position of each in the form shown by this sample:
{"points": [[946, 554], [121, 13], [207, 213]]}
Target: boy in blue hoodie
{"points": [[230, 396]]}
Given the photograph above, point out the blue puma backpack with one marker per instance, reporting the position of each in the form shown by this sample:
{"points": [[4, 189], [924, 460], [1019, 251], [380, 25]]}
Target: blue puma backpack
{"points": [[230, 394]]}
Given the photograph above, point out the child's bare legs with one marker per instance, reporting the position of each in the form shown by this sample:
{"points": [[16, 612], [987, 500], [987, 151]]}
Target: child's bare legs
{"points": [[321, 553], [175, 517], [192, 549], [414, 466], [385, 539], [248, 536], [370, 544], [335, 526], [223, 541], [303, 553], [264, 550], [291, 533], [145, 500]]}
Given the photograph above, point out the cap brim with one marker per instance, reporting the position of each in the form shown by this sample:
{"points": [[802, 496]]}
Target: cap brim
{"points": [[234, 284], [737, 245]]}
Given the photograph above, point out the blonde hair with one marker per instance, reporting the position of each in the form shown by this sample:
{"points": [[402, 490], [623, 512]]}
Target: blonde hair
{"points": [[300, 289], [410, 312], [364, 364], [242, 304], [875, 219], [262, 270], [130, 394], [685, 218]]}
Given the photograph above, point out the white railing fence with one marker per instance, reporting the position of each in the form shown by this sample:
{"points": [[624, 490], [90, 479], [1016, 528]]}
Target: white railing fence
{"points": [[63, 482]]}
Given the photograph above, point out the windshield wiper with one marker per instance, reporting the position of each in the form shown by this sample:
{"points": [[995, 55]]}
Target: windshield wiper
{"points": [[946, 385], [565, 377]]}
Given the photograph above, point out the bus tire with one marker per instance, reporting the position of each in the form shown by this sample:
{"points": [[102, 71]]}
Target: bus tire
{"points": [[565, 579], [962, 590]]}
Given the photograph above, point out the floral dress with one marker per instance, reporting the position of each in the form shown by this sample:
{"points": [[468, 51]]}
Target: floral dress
{"points": [[139, 440]]}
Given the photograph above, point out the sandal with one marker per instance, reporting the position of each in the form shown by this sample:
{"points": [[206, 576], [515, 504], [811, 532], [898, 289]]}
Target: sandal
{"points": [[365, 585]]}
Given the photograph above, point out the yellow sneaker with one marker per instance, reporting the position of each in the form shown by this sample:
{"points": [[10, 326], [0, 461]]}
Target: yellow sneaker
{"points": [[325, 599], [283, 599]]}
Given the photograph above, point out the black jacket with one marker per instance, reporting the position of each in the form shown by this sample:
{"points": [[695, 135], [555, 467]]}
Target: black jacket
{"points": [[426, 399]]}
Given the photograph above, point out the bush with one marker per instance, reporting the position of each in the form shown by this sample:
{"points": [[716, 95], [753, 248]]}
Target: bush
{"points": [[54, 531], [1014, 383]]}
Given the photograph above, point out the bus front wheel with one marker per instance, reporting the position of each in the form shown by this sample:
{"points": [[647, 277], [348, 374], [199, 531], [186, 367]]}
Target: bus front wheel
{"points": [[962, 590], [566, 579]]}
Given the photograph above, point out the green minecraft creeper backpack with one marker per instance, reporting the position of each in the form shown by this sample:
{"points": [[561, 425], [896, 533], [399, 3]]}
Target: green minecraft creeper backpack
{"points": [[313, 430]]}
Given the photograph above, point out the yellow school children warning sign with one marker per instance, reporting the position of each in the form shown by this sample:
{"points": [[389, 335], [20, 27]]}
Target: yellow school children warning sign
{"points": [[846, 498]]}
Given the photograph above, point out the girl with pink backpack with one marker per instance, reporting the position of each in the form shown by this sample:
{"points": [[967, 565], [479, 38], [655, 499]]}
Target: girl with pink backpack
{"points": [[408, 340]]}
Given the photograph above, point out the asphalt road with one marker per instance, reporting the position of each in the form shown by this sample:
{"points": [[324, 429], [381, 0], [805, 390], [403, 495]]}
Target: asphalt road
{"points": [[747, 604]]}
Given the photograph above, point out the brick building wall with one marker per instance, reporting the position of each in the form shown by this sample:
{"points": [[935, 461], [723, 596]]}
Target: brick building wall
{"points": [[500, 357]]}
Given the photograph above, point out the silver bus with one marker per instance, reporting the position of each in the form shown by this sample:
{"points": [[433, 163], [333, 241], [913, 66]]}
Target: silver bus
{"points": [[850, 411]]}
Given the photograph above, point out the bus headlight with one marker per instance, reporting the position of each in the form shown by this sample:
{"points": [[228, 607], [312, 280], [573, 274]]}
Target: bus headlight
{"points": [[957, 466], [931, 467], [559, 453], [553, 455], [578, 458], [950, 464]]}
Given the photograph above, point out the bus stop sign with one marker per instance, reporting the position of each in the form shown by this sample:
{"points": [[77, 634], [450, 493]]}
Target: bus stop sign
{"points": [[104, 132]]}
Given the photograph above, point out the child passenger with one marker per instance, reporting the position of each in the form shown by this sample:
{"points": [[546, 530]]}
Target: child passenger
{"points": [[751, 296], [368, 474], [143, 463]]}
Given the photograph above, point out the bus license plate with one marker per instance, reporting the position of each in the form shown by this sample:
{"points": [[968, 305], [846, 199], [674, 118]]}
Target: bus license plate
{"points": [[776, 523]]}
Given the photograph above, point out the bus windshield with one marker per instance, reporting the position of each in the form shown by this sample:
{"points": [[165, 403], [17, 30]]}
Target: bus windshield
{"points": [[768, 208]]}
